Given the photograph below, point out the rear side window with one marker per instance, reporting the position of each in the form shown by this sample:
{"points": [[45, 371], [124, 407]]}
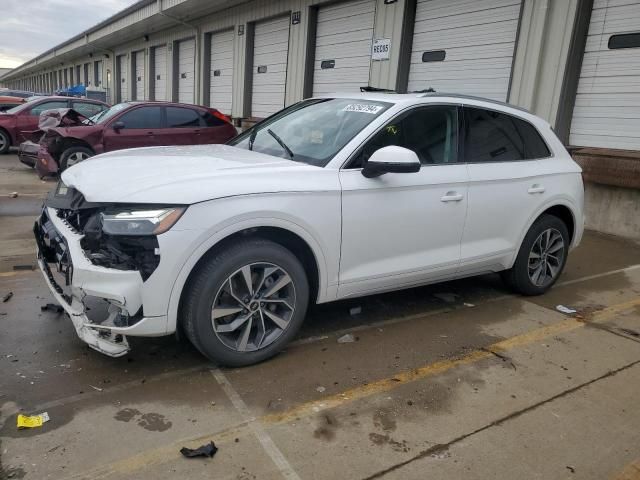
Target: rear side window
{"points": [[87, 109], [498, 137], [182, 118], [143, 117]]}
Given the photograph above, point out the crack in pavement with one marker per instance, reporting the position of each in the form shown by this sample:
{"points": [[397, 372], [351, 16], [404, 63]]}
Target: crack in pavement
{"points": [[443, 447]]}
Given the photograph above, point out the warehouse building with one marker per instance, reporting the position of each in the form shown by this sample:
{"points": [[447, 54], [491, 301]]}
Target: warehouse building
{"points": [[575, 63]]}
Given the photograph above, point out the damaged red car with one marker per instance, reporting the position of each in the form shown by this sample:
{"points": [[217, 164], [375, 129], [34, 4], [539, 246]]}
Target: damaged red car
{"points": [[24, 118], [131, 125]]}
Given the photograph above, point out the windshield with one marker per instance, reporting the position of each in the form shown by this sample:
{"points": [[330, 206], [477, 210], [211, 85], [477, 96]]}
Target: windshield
{"points": [[312, 131], [107, 114]]}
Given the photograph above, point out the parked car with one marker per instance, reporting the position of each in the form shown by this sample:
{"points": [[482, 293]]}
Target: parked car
{"points": [[60, 117], [8, 102], [133, 124], [331, 198], [17, 93], [24, 118]]}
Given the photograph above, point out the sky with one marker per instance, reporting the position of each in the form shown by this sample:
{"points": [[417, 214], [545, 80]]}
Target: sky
{"points": [[31, 27]]}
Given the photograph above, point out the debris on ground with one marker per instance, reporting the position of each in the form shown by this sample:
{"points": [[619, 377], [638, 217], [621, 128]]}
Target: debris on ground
{"points": [[32, 421], [13, 194], [23, 267], [571, 469], [96, 388], [7, 297], [446, 297], [52, 307], [565, 310], [348, 338], [320, 389], [207, 450], [628, 331], [355, 311], [470, 305]]}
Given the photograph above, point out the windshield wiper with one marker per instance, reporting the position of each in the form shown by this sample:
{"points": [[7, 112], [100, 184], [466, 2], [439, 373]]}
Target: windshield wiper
{"points": [[281, 143], [252, 138]]}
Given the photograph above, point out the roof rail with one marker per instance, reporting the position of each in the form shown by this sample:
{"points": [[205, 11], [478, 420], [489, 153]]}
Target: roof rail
{"points": [[376, 89]]}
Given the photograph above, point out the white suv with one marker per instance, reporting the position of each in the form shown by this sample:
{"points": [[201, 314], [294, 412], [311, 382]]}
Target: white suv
{"points": [[331, 198]]}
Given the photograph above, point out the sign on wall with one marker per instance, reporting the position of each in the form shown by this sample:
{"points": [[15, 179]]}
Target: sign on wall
{"points": [[380, 49]]}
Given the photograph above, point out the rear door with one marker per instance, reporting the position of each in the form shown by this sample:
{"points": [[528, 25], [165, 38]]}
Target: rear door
{"points": [[506, 186], [141, 127]]}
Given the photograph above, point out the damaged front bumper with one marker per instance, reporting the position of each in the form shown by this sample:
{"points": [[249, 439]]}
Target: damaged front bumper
{"points": [[78, 285]]}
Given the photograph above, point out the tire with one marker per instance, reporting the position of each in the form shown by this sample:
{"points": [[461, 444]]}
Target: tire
{"points": [[219, 284], [73, 155], [529, 276], [5, 141]]}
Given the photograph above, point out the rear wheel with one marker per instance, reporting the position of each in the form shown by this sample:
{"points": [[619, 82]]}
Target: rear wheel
{"points": [[5, 141], [73, 155], [542, 257], [245, 303]]}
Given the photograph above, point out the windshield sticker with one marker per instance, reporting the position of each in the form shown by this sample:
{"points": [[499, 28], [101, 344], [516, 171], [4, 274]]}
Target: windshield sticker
{"points": [[317, 136], [362, 108]]}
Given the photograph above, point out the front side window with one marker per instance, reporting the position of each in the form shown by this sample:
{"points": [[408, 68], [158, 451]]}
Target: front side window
{"points": [[143, 117], [38, 109], [178, 117], [431, 132], [499, 137], [312, 131]]}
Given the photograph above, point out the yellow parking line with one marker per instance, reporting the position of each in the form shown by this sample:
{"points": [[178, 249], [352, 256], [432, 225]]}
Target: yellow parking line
{"points": [[167, 453]]}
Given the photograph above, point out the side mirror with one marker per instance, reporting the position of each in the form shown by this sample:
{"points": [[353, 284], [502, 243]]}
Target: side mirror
{"points": [[391, 159], [118, 126]]}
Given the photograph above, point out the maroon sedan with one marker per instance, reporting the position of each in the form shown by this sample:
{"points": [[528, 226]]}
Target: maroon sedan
{"points": [[130, 125], [24, 118]]}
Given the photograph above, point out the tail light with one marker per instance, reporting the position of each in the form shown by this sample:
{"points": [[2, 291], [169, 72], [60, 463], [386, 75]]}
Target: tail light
{"points": [[220, 115]]}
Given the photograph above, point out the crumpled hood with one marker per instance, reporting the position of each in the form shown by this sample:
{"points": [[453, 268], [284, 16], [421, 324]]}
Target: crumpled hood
{"points": [[184, 174]]}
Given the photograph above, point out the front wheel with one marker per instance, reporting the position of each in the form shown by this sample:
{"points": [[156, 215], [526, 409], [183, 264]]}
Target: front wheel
{"points": [[542, 257], [245, 303], [73, 155], [5, 141]]}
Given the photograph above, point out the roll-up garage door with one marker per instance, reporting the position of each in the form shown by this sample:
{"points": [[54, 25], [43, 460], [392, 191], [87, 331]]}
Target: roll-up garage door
{"points": [[343, 46], [160, 73], [186, 71], [271, 47], [607, 108], [138, 59], [464, 46], [221, 73], [122, 74]]}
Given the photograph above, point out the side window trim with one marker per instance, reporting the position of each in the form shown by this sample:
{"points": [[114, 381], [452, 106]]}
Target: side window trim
{"points": [[352, 157], [465, 129]]}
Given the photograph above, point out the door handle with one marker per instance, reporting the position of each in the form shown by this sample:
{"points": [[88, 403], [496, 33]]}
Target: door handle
{"points": [[536, 188], [451, 197]]}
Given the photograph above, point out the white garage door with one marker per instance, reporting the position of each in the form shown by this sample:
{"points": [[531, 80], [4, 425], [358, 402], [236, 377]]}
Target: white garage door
{"points": [[160, 73], [124, 84], [607, 109], [271, 46], [186, 71], [138, 58], [464, 46], [221, 74], [343, 47]]}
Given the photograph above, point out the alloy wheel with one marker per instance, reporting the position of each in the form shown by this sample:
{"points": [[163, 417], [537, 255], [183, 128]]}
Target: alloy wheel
{"points": [[253, 307], [3, 142], [546, 257], [76, 157]]}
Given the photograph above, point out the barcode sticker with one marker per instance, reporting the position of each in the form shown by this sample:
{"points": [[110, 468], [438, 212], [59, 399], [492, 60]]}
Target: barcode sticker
{"points": [[362, 108]]}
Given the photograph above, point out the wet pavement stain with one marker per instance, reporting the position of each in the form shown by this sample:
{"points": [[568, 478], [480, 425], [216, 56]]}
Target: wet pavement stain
{"points": [[382, 419], [126, 414], [327, 428], [380, 440]]}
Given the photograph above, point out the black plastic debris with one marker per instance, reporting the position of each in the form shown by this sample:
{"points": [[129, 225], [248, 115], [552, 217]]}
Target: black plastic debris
{"points": [[7, 297], [23, 267], [207, 450], [51, 307]]}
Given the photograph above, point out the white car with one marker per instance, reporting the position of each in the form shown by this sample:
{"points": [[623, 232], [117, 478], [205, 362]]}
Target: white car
{"points": [[331, 198]]}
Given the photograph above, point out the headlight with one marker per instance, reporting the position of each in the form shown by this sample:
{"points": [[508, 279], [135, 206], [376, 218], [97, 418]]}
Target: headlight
{"points": [[141, 222]]}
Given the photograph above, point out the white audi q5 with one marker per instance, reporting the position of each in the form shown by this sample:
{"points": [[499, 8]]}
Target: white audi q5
{"points": [[331, 198]]}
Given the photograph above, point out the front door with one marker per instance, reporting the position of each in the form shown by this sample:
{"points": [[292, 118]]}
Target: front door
{"points": [[138, 127], [405, 229]]}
